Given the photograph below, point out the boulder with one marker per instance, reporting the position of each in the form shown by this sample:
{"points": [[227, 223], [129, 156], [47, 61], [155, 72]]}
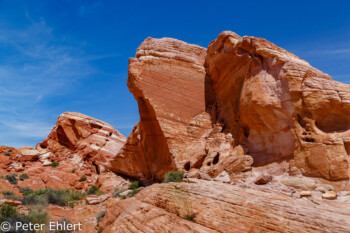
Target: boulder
{"points": [[263, 179], [305, 194], [278, 107], [303, 183], [10, 201], [82, 139], [94, 199], [108, 182], [330, 195], [175, 132]]}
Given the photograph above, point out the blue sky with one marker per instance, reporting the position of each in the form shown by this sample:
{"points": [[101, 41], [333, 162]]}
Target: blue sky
{"points": [[64, 55]]}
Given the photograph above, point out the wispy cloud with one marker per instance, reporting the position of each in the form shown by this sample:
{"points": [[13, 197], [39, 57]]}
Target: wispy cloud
{"points": [[34, 64], [332, 52]]}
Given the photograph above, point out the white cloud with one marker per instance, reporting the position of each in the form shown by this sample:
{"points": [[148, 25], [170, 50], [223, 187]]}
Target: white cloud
{"points": [[35, 64]]}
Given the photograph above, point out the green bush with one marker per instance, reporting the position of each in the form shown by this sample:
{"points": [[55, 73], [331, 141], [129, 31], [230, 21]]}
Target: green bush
{"points": [[7, 211], [11, 178], [122, 197], [25, 190], [134, 185], [82, 178], [10, 150], [134, 192], [173, 176], [54, 164], [37, 216], [60, 197], [7, 193], [73, 170], [190, 217], [10, 194], [99, 193], [23, 176], [92, 190]]}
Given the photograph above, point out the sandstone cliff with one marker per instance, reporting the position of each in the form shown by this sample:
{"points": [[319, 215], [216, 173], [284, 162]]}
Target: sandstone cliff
{"points": [[254, 103], [279, 107], [175, 132]]}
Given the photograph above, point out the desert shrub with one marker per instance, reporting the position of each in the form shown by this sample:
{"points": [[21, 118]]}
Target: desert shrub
{"points": [[190, 217], [122, 197], [11, 178], [82, 178], [37, 216], [7, 154], [100, 215], [92, 190], [9, 150], [72, 204], [134, 185], [23, 176], [25, 190], [60, 197], [76, 195], [7, 193], [10, 194], [173, 176], [54, 164], [73, 170], [7, 211], [56, 199], [99, 193], [134, 192]]}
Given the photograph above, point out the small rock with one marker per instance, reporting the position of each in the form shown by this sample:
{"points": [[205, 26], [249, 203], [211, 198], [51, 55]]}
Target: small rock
{"points": [[324, 188], [294, 171], [330, 195], [93, 200], [125, 193], [304, 183], [305, 194], [10, 201], [263, 179], [223, 177], [47, 163]]}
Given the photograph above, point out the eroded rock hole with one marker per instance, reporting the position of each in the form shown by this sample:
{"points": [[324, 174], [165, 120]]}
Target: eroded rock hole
{"points": [[216, 158], [246, 132], [187, 166], [301, 122], [347, 147], [334, 122], [309, 140]]}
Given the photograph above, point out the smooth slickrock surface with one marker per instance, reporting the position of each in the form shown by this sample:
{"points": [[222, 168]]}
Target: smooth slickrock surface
{"points": [[175, 132], [279, 107], [86, 141], [219, 207]]}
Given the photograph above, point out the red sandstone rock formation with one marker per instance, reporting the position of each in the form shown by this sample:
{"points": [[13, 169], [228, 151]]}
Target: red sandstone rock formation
{"points": [[86, 141], [218, 207], [279, 107], [175, 132]]}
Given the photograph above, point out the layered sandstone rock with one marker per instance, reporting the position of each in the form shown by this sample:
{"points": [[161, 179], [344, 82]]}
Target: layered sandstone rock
{"points": [[278, 107], [219, 207], [87, 142], [175, 132]]}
